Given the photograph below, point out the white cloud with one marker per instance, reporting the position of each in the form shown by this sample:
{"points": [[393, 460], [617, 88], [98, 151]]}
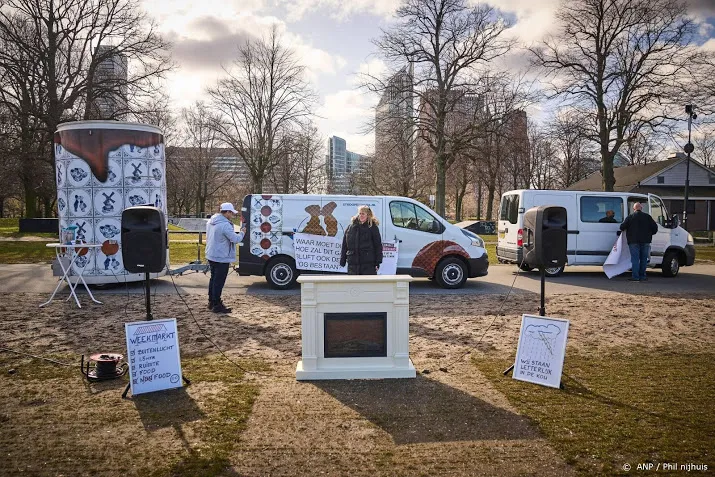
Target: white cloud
{"points": [[338, 9], [345, 114]]}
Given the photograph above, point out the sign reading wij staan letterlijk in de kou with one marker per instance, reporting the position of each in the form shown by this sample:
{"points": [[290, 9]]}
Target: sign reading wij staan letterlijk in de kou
{"points": [[153, 351], [541, 350]]}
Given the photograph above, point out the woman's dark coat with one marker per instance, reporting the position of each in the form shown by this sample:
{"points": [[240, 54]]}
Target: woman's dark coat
{"points": [[362, 248]]}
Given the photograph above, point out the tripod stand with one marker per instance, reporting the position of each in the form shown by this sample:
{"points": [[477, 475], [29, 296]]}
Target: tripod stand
{"points": [[149, 317], [542, 308]]}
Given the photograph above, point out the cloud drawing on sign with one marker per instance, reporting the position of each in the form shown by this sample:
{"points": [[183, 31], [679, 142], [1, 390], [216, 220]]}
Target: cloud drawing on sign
{"points": [[540, 331], [544, 333]]}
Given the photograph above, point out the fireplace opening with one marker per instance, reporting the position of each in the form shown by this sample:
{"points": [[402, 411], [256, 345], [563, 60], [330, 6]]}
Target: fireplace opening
{"points": [[355, 335]]}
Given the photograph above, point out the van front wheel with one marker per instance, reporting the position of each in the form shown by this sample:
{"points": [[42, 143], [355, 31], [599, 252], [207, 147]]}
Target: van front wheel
{"points": [[670, 265], [451, 273], [281, 273]]}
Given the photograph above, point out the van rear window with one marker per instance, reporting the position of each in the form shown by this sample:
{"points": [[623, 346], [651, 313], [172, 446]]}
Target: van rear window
{"points": [[509, 208]]}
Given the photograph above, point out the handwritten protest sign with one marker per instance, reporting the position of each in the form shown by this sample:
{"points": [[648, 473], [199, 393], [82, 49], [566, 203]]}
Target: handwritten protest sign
{"points": [[153, 351], [541, 349]]}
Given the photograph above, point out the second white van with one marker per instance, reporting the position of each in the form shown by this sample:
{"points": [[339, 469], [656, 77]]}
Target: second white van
{"points": [[429, 246], [593, 221]]}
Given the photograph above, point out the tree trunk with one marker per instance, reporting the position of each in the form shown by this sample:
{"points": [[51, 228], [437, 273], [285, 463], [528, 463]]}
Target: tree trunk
{"points": [[440, 185], [609, 179], [479, 200], [30, 200], [490, 197]]}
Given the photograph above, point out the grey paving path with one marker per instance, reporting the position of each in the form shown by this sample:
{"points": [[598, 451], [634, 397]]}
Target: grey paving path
{"points": [[700, 279]]}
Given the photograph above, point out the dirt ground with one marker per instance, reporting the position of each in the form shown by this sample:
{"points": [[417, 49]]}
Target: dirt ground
{"points": [[448, 421]]}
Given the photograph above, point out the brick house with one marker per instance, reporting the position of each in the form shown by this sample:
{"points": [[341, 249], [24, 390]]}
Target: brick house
{"points": [[666, 179]]}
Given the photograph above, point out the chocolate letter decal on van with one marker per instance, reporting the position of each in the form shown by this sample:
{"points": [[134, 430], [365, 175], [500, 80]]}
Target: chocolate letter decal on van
{"points": [[430, 255]]}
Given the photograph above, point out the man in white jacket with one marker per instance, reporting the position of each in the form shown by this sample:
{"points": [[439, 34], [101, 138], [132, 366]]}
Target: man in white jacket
{"points": [[221, 240]]}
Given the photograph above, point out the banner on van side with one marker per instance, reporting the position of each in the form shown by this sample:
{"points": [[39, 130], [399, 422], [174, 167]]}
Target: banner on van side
{"points": [[541, 349], [318, 253], [322, 254]]}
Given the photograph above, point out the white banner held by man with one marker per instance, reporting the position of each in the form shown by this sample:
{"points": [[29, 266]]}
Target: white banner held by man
{"points": [[619, 260]]}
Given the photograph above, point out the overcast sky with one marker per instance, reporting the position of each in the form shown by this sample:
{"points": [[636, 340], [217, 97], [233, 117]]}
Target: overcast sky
{"points": [[331, 37]]}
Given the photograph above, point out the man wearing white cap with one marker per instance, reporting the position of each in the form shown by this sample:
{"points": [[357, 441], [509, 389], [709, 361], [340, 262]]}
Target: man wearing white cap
{"points": [[221, 240]]}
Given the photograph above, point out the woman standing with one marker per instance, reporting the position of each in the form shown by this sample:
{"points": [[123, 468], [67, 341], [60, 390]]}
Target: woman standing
{"points": [[362, 244]]}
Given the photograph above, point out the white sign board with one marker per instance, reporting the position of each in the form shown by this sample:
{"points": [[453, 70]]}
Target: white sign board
{"points": [[318, 253], [541, 350], [619, 260], [389, 259], [153, 351]]}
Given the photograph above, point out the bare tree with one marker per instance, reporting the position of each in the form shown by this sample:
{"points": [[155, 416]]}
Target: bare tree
{"points": [[444, 42], [704, 143], [301, 163], [544, 159], [50, 54], [201, 160], [260, 99], [396, 168], [617, 61], [644, 146], [577, 154]]}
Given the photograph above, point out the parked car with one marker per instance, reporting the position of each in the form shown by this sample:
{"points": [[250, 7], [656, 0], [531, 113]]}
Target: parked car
{"points": [[592, 228], [429, 246]]}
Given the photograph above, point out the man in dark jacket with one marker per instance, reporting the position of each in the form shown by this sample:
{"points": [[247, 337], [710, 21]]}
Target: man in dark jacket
{"points": [[362, 244], [640, 228]]}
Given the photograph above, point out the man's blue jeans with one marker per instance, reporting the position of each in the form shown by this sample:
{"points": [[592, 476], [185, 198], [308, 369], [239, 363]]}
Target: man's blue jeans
{"points": [[639, 259], [219, 272]]}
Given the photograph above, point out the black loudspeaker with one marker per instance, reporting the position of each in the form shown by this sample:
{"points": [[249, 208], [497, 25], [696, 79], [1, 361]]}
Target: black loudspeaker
{"points": [[545, 236], [144, 239]]}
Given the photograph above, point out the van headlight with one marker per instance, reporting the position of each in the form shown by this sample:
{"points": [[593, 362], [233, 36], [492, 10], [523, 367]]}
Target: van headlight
{"points": [[690, 239], [476, 240]]}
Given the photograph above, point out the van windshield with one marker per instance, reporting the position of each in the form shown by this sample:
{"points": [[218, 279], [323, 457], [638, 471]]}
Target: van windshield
{"points": [[509, 208]]}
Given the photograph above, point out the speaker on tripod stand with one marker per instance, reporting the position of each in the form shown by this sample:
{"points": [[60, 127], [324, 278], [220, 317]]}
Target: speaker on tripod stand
{"points": [[144, 243], [545, 237]]}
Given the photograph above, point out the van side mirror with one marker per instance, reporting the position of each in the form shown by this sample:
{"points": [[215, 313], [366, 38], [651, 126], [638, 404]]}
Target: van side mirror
{"points": [[675, 222]]}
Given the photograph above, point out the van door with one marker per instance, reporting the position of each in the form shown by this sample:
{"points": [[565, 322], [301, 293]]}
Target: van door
{"points": [[599, 220], [662, 239], [508, 227], [413, 228], [565, 200]]}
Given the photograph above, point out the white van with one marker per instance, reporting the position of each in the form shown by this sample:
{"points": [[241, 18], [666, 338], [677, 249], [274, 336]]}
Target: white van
{"points": [[429, 246], [592, 231]]}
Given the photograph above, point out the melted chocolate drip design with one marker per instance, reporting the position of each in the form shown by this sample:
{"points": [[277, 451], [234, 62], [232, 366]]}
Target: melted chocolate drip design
{"points": [[94, 145]]}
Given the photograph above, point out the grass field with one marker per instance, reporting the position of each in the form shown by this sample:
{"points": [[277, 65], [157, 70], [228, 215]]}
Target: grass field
{"points": [[182, 247], [643, 406]]}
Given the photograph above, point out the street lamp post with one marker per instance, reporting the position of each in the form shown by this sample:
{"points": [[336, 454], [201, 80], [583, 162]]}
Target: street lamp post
{"points": [[689, 148]]}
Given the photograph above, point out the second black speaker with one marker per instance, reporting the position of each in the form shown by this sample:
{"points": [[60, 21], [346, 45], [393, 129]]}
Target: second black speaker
{"points": [[545, 236], [144, 239]]}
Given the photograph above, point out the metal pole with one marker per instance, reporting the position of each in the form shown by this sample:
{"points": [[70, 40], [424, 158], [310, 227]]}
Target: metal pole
{"points": [[690, 109]]}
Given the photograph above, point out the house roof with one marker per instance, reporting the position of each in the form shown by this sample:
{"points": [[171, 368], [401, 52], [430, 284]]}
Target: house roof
{"points": [[627, 178]]}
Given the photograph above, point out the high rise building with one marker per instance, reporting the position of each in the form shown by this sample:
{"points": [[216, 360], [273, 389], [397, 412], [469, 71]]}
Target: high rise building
{"points": [[109, 91], [343, 166], [394, 116]]}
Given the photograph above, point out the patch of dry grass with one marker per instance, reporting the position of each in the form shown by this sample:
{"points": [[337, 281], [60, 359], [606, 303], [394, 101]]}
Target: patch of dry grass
{"points": [[651, 405]]}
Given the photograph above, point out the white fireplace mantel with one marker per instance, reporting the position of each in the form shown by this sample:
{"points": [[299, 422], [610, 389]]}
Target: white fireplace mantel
{"points": [[322, 294]]}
